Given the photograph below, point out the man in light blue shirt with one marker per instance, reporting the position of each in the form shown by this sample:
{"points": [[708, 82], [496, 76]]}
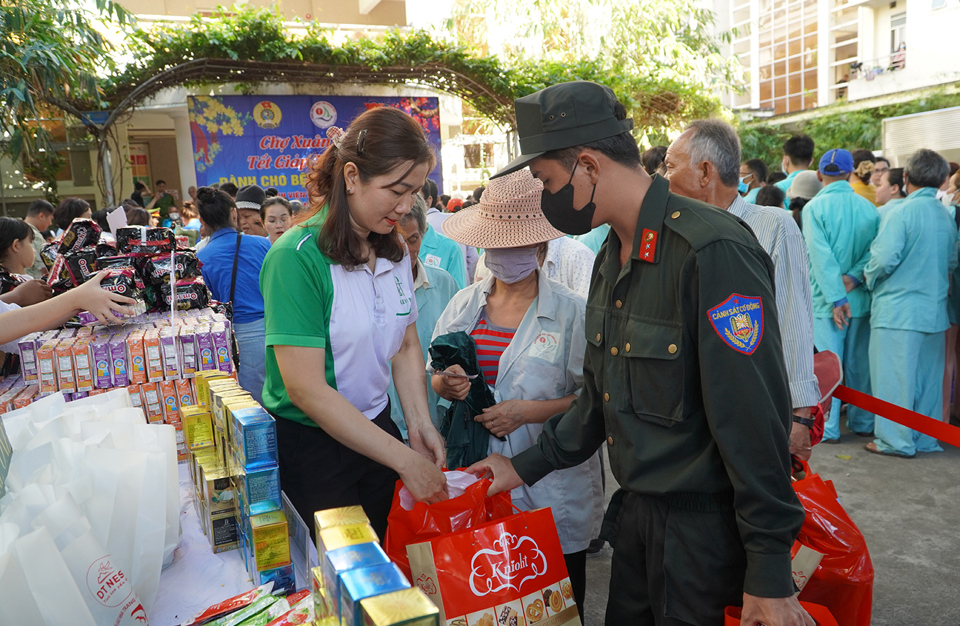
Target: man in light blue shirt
{"points": [[838, 228], [911, 260], [433, 288], [442, 252], [797, 157]]}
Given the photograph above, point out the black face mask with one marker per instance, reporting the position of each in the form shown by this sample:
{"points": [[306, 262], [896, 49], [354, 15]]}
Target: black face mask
{"points": [[559, 211]]}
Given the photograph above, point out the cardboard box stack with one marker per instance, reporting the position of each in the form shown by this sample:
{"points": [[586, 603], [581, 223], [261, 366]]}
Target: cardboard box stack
{"points": [[356, 584], [232, 442]]}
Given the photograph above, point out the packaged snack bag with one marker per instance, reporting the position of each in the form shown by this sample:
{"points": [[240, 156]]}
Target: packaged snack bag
{"points": [[80, 234]]}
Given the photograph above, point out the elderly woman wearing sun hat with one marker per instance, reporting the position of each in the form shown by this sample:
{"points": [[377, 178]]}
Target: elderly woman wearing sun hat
{"points": [[530, 345]]}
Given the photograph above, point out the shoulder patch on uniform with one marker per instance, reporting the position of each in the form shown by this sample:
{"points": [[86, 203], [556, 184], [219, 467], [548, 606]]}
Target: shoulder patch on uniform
{"points": [[738, 321]]}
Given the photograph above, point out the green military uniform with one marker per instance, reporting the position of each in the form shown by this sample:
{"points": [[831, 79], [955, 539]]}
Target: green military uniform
{"points": [[684, 378]]}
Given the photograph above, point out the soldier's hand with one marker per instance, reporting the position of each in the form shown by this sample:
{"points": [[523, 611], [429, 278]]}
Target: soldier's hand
{"points": [[505, 477], [774, 612], [503, 418], [841, 315]]}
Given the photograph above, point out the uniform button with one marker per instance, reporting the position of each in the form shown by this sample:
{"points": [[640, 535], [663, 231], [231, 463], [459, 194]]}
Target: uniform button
{"points": [[672, 348], [619, 304], [606, 397], [610, 440], [675, 215], [599, 337], [614, 351], [627, 347]]}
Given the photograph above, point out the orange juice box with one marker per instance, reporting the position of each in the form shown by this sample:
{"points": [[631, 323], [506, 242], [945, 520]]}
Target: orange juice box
{"points": [[66, 377], [136, 358], [136, 397], [46, 368], [84, 365], [168, 397], [26, 396], [152, 402], [151, 345], [184, 392]]}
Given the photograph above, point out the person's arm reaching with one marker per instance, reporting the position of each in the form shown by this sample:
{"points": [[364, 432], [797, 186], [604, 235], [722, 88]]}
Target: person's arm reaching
{"points": [[303, 375], [89, 296], [409, 379]]}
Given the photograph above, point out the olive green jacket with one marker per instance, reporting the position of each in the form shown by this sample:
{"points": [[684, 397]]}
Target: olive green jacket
{"points": [[684, 378]]}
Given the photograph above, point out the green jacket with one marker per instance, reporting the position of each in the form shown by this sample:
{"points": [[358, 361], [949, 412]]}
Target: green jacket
{"points": [[685, 379]]}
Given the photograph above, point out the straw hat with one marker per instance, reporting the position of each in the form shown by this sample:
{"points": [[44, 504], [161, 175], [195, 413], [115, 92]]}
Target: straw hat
{"points": [[508, 215]]}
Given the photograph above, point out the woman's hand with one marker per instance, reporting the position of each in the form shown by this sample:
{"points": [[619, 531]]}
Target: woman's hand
{"points": [[103, 304], [451, 387], [427, 441], [503, 418], [505, 477], [425, 481]]}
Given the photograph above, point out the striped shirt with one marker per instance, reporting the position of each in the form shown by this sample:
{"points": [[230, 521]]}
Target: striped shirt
{"points": [[491, 341], [779, 235]]}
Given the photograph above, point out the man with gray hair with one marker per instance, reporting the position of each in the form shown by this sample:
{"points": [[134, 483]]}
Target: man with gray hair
{"points": [[434, 287], [704, 164], [909, 270]]}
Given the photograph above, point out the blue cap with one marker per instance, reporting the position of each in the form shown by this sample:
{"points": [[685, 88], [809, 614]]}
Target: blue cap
{"points": [[836, 162]]}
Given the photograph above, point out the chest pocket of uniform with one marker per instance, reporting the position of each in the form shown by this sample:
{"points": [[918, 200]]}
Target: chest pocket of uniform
{"points": [[655, 371]]}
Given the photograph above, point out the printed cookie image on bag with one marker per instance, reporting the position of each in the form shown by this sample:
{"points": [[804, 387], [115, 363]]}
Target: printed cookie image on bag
{"points": [[481, 618], [533, 608], [511, 614], [553, 599]]}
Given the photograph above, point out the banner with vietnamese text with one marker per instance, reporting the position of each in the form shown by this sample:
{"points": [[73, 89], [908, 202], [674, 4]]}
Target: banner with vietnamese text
{"points": [[268, 140]]}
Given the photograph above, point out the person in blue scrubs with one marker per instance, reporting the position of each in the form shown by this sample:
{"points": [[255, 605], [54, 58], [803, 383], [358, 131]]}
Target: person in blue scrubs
{"points": [[797, 157], [437, 250], [838, 228], [909, 270], [753, 174], [434, 287]]}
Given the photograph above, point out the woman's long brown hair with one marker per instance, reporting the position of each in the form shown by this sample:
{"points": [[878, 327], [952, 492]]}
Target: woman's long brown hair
{"points": [[387, 138]]}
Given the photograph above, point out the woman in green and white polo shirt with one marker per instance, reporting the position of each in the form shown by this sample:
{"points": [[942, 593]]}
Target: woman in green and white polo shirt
{"points": [[339, 308]]}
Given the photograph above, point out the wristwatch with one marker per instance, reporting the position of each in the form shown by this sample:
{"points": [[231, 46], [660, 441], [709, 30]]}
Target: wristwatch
{"points": [[805, 421]]}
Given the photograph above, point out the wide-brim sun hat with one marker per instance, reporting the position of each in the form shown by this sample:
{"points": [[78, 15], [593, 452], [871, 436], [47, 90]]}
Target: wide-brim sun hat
{"points": [[508, 215]]}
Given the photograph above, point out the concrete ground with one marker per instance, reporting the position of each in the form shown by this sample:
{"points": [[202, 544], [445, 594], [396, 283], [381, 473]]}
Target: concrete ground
{"points": [[909, 512]]}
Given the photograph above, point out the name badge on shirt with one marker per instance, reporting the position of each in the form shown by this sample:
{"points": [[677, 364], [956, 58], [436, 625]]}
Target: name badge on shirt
{"points": [[432, 260], [546, 346]]}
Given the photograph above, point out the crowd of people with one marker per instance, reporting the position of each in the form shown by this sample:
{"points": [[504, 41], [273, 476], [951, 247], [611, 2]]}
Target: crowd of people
{"points": [[599, 295]]}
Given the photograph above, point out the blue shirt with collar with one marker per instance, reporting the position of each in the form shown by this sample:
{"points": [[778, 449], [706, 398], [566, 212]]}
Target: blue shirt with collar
{"points": [[438, 250], [751, 197], [217, 258], [838, 227], [911, 260]]}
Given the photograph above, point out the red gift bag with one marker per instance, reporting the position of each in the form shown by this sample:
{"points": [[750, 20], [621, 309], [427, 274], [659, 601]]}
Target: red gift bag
{"points": [[508, 571], [426, 521], [822, 616], [843, 581]]}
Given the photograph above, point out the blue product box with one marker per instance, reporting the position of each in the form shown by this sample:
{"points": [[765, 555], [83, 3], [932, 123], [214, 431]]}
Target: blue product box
{"points": [[283, 579], [336, 562], [259, 490], [254, 437], [366, 582]]}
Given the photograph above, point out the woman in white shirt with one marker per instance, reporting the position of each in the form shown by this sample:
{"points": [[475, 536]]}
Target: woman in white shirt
{"points": [[530, 346]]}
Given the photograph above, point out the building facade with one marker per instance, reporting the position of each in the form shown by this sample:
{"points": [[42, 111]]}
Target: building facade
{"points": [[801, 54]]}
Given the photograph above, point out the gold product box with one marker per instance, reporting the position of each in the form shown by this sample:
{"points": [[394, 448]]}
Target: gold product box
{"points": [[197, 427], [344, 516], [270, 541], [218, 386], [231, 404], [343, 536], [202, 380], [219, 397], [408, 607], [223, 531], [217, 492]]}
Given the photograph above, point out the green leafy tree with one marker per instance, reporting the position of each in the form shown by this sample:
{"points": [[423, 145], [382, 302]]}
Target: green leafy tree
{"points": [[50, 54]]}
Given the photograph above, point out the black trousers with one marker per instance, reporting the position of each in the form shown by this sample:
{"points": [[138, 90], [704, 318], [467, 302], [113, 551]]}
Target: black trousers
{"points": [[576, 563], [318, 472], [675, 561]]}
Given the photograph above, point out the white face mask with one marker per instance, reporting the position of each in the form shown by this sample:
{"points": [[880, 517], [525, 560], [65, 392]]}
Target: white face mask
{"points": [[940, 194], [947, 199]]}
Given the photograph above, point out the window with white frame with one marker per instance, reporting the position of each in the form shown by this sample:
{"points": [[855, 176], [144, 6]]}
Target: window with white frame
{"points": [[898, 28]]}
